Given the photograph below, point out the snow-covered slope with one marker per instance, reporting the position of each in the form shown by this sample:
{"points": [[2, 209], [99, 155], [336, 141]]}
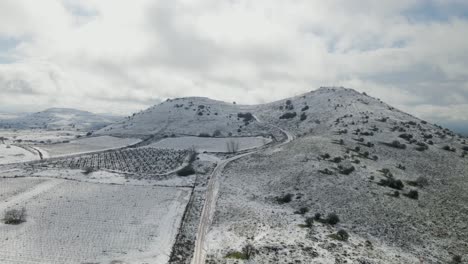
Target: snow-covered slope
{"points": [[398, 185], [59, 118], [189, 116]]}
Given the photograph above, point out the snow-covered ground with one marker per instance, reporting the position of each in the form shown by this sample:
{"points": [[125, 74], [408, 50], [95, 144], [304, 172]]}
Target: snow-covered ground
{"points": [[14, 154], [31, 136], [341, 160], [79, 222], [208, 144], [87, 145]]}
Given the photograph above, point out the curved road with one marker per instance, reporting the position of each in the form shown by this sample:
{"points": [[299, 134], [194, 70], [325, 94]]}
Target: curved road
{"points": [[211, 197]]}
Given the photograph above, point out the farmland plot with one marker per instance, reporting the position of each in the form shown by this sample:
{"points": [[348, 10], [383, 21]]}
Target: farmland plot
{"points": [[76, 222], [39, 135], [140, 160], [87, 145], [209, 144], [14, 154]]}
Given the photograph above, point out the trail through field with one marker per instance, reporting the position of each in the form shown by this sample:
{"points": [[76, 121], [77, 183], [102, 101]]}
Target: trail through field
{"points": [[211, 197], [29, 194]]}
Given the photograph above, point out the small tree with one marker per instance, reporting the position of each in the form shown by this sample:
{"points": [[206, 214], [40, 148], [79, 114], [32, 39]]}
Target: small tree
{"points": [[342, 235], [248, 251], [15, 216]]}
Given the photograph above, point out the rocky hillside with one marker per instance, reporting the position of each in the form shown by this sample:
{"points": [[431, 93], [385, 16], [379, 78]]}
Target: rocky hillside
{"points": [[59, 118], [362, 183]]}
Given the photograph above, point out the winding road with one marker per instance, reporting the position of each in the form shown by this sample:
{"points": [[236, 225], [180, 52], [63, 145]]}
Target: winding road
{"points": [[211, 197]]}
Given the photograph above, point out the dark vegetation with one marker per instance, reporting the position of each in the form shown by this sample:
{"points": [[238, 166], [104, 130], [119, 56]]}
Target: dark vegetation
{"points": [[395, 144], [288, 115], [15, 216], [247, 117], [413, 194], [285, 198], [186, 171], [341, 235], [247, 252]]}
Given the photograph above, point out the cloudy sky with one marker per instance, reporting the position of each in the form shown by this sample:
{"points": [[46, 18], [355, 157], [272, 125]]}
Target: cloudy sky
{"points": [[123, 56]]}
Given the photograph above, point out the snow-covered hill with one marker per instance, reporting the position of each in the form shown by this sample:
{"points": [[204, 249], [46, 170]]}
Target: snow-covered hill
{"points": [[59, 118], [397, 184], [189, 116]]}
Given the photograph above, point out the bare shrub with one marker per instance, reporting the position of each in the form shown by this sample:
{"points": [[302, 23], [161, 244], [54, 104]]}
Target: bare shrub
{"points": [[419, 182], [88, 170], [232, 146]]}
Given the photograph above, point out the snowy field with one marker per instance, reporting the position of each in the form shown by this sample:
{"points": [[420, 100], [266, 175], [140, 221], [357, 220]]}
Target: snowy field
{"points": [[208, 144], [86, 145], [13, 154], [37, 135], [78, 222]]}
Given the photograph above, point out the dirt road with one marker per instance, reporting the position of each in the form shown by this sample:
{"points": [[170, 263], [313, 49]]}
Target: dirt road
{"points": [[211, 197]]}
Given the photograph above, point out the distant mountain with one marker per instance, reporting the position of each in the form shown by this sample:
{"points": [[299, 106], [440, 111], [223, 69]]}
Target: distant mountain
{"points": [[58, 118]]}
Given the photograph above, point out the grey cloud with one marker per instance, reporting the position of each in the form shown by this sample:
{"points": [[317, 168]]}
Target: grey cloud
{"points": [[16, 86]]}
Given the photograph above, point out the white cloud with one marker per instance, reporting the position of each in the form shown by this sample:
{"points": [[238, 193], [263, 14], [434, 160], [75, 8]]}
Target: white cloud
{"points": [[106, 55]]}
